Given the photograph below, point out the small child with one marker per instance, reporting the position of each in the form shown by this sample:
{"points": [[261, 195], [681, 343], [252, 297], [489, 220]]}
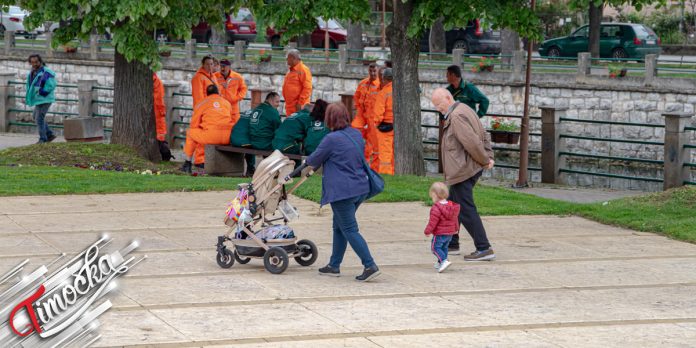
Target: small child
{"points": [[444, 222]]}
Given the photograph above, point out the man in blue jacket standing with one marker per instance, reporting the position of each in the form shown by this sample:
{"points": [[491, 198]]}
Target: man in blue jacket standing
{"points": [[41, 85]]}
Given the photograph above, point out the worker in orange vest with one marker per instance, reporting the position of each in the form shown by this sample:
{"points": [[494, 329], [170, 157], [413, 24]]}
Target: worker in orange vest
{"points": [[384, 120], [232, 87], [203, 78], [297, 85], [211, 124], [363, 102], [160, 117]]}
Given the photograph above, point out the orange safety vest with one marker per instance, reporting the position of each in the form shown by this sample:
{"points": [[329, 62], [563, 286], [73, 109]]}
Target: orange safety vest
{"points": [[297, 87], [160, 107], [233, 89], [213, 113], [383, 109], [199, 84]]}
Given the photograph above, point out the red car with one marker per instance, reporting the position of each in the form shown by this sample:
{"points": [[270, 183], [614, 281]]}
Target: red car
{"points": [[240, 26], [337, 34]]}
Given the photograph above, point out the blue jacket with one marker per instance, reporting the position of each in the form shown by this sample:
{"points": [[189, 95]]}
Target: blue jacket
{"points": [[41, 89], [344, 173]]}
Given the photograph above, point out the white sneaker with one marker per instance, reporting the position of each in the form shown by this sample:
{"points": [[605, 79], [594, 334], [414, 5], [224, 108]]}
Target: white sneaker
{"points": [[437, 265], [445, 264]]}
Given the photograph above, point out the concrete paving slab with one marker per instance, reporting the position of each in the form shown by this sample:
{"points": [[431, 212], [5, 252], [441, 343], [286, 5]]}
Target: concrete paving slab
{"points": [[326, 343], [653, 335], [25, 244], [8, 225], [57, 204], [73, 242], [498, 339], [250, 321], [122, 328], [174, 263]]}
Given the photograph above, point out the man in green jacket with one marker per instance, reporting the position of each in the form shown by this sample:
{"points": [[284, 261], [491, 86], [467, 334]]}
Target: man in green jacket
{"points": [[240, 138], [264, 121], [40, 87], [466, 92], [317, 129], [289, 136]]}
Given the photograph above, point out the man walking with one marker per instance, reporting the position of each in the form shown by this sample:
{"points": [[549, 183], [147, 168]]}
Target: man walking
{"points": [[465, 92], [40, 87], [297, 85], [466, 152], [232, 87]]}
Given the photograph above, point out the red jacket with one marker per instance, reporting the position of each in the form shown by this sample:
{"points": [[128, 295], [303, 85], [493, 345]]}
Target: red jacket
{"points": [[444, 219]]}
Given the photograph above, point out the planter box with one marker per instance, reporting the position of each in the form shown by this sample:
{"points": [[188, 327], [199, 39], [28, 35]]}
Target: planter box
{"points": [[505, 137]]}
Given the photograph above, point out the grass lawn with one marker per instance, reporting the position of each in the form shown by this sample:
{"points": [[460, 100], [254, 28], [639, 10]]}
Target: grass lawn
{"points": [[50, 170]]}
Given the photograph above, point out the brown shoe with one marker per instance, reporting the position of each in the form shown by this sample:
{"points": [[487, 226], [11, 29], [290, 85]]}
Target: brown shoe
{"points": [[484, 255]]}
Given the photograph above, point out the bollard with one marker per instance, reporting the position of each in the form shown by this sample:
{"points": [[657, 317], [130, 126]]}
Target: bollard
{"points": [[86, 94], [650, 68], [584, 64], [342, 58], [457, 55], [9, 42]]}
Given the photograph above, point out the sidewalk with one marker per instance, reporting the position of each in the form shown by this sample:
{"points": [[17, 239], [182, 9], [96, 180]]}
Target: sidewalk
{"points": [[557, 282]]}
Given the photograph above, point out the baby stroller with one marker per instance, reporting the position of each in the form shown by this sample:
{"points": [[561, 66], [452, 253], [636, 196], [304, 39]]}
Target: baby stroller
{"points": [[252, 218]]}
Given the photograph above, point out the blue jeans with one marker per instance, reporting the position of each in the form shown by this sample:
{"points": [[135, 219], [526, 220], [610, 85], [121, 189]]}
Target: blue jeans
{"points": [[439, 246], [40, 118], [345, 230]]}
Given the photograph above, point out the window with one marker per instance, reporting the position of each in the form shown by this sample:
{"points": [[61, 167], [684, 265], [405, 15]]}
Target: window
{"points": [[333, 25], [611, 31], [642, 31], [243, 15], [582, 32]]}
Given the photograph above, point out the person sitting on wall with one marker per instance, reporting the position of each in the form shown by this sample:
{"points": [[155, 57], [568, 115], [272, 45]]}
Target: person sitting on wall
{"points": [[264, 121]]}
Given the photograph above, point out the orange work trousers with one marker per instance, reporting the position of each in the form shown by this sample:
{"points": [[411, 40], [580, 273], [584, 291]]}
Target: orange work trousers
{"points": [[197, 138], [385, 158]]}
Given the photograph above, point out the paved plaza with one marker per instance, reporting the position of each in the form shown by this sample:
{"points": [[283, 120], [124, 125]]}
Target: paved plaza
{"points": [[558, 281]]}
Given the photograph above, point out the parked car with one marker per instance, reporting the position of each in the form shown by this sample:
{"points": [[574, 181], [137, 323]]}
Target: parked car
{"points": [[13, 20], [616, 40], [474, 38], [337, 34], [238, 26]]}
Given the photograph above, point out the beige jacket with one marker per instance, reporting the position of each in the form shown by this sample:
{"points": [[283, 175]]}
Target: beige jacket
{"points": [[466, 146]]}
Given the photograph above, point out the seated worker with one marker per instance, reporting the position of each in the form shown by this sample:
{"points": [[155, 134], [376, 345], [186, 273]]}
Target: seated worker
{"points": [[263, 123], [289, 136], [240, 138], [317, 129], [211, 123]]}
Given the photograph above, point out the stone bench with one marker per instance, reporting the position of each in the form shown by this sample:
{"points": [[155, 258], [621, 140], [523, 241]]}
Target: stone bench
{"points": [[226, 160]]}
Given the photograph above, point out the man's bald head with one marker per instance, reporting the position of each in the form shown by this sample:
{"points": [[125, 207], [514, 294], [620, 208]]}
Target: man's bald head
{"points": [[442, 99]]}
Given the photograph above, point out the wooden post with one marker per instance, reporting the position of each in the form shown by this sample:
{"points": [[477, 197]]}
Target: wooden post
{"points": [[347, 100], [551, 144], [675, 154]]}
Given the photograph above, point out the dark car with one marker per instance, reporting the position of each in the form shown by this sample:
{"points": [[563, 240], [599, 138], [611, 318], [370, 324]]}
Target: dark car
{"points": [[337, 34], [239, 26], [473, 38], [616, 40]]}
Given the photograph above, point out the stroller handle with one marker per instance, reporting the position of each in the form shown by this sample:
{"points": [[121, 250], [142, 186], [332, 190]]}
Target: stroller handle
{"points": [[297, 171]]}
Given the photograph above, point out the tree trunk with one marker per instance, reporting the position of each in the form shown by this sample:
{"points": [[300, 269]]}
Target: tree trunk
{"points": [[408, 145], [509, 42], [437, 41], [355, 43], [134, 118], [595, 21]]}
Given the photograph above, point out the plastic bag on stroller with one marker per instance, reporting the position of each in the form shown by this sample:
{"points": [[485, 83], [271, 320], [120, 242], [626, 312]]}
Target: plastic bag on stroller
{"points": [[275, 232]]}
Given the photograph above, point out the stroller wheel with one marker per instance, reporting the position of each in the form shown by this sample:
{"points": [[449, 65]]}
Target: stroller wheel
{"points": [[225, 259], [309, 252], [275, 260], [242, 261]]}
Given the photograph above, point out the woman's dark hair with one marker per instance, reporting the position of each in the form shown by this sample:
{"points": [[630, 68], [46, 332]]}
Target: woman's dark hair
{"points": [[319, 110], [38, 57], [337, 116]]}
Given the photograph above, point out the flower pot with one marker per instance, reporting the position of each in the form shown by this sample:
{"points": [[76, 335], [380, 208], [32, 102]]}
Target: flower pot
{"points": [[71, 49], [369, 61], [165, 54], [623, 72], [265, 59], [489, 68], [504, 137]]}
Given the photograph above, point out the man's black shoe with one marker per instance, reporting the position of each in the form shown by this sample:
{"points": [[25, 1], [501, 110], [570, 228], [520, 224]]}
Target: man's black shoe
{"points": [[186, 168], [368, 274], [51, 138], [330, 271]]}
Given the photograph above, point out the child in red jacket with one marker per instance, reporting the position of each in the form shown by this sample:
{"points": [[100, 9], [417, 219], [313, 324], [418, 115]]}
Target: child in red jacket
{"points": [[444, 222]]}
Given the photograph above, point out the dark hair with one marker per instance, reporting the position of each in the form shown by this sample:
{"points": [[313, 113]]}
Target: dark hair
{"points": [[37, 57], [337, 116], [372, 65], [455, 70], [388, 63], [319, 111], [212, 89], [271, 95], [206, 58]]}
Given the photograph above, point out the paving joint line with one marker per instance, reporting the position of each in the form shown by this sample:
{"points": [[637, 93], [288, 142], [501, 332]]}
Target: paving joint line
{"points": [[423, 294]]}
